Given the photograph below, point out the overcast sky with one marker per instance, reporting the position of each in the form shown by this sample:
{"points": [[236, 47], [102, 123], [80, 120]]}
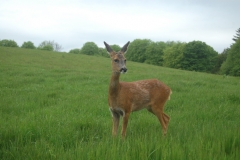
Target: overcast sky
{"points": [[71, 23]]}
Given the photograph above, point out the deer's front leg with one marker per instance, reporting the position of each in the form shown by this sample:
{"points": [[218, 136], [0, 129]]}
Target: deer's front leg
{"points": [[115, 121], [125, 123]]}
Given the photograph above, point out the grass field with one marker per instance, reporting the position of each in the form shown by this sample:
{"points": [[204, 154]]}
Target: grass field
{"points": [[54, 106]]}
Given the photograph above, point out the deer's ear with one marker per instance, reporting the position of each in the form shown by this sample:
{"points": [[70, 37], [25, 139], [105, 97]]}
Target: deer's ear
{"points": [[124, 48], [109, 49]]}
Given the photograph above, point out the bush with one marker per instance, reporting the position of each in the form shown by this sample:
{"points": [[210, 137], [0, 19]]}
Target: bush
{"points": [[28, 44], [47, 48], [232, 64], [89, 48], [75, 51], [45, 45], [8, 43]]}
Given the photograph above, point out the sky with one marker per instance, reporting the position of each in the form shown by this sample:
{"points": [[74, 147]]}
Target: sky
{"points": [[71, 23]]}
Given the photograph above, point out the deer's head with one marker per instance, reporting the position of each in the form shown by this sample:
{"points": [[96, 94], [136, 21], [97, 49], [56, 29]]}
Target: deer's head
{"points": [[118, 59]]}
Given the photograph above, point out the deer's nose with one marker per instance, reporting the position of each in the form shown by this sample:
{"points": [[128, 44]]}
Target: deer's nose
{"points": [[123, 70]]}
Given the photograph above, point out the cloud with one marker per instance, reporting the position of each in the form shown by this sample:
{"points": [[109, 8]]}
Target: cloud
{"points": [[72, 23]]}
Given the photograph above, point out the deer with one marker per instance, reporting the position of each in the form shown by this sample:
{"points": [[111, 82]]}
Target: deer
{"points": [[127, 97]]}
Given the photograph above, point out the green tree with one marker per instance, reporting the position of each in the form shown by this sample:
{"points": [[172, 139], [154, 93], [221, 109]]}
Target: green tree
{"points": [[198, 56], [137, 50], [154, 53], [220, 59], [115, 47], [237, 36], [232, 64], [173, 55], [75, 51], [170, 43], [89, 48], [8, 43], [28, 44], [45, 46], [103, 52]]}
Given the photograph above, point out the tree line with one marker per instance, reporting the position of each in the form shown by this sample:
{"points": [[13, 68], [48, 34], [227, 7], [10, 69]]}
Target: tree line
{"points": [[45, 45], [192, 56]]}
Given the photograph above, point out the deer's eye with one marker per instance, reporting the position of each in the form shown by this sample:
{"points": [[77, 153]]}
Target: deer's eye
{"points": [[116, 60], [125, 61]]}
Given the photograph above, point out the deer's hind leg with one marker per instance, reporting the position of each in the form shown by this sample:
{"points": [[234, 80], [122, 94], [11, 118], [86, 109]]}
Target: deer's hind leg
{"points": [[157, 110], [166, 118]]}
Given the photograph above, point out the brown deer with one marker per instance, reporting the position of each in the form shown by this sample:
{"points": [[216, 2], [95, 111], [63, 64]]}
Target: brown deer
{"points": [[126, 97]]}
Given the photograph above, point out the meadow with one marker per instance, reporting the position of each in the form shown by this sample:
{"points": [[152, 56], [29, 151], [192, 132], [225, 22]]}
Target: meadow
{"points": [[54, 106]]}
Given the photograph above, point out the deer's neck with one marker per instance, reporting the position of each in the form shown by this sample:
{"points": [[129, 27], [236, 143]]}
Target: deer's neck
{"points": [[114, 84]]}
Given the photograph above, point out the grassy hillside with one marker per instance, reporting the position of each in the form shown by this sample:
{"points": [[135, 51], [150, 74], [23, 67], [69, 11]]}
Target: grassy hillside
{"points": [[54, 106]]}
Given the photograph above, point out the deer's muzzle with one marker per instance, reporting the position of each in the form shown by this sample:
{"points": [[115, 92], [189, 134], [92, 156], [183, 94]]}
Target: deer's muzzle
{"points": [[123, 70]]}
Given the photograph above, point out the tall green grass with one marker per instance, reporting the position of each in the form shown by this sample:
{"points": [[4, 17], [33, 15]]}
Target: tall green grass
{"points": [[54, 106]]}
